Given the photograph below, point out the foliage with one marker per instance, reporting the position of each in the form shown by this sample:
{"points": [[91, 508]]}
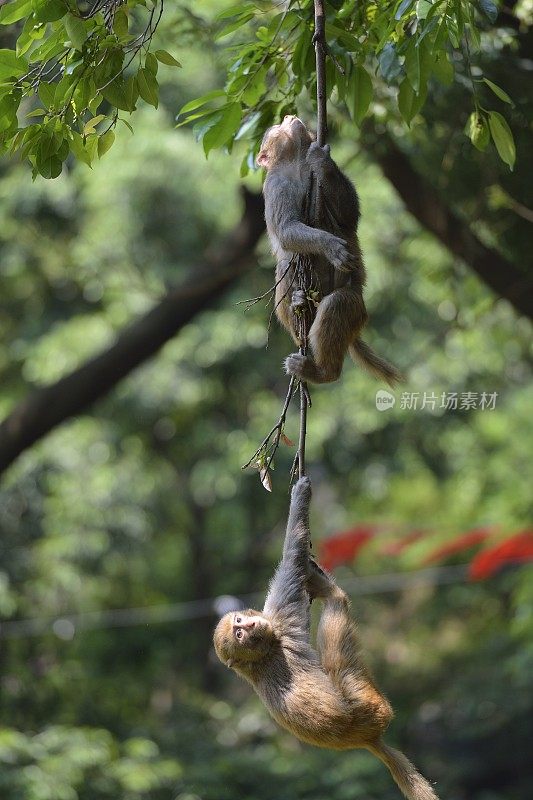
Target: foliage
{"points": [[77, 72], [407, 45], [72, 76]]}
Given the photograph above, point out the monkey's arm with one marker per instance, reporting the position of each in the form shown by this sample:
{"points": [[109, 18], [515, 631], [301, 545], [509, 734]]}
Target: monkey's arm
{"points": [[287, 599], [281, 212], [338, 188]]}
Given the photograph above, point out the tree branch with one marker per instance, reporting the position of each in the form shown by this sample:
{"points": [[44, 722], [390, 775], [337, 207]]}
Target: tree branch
{"points": [[430, 210], [46, 408]]}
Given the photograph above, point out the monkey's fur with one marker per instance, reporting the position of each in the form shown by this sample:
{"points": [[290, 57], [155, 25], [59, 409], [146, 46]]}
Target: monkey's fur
{"points": [[326, 698], [290, 156]]}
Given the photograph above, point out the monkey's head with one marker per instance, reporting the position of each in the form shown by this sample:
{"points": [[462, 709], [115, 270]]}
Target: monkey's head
{"points": [[242, 637], [285, 142]]}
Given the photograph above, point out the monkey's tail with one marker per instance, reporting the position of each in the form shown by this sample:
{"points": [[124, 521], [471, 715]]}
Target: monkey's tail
{"points": [[363, 355], [410, 781]]}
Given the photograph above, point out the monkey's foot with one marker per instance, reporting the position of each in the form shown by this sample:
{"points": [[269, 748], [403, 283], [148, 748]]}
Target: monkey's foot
{"points": [[300, 366], [304, 368]]}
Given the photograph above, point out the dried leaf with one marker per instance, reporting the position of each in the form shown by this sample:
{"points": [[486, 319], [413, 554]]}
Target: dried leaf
{"points": [[264, 474]]}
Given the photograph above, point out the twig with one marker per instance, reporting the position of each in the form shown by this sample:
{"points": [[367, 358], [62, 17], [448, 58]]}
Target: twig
{"points": [[263, 456]]}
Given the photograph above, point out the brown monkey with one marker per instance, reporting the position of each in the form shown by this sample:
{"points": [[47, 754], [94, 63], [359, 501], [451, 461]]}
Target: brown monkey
{"points": [[291, 157], [326, 698]]}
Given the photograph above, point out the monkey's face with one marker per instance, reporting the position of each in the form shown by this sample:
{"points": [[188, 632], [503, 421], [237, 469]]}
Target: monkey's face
{"points": [[284, 142], [242, 636]]}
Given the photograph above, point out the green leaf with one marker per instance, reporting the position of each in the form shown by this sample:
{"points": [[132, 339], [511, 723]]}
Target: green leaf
{"points": [[478, 131], [389, 63], [166, 58], [232, 11], [302, 49], [423, 7], [121, 23], [50, 167], [92, 123], [192, 105], [498, 92], [256, 87], [402, 8], [12, 12], [409, 102], [224, 129], [116, 94], [47, 93], [347, 39], [132, 92], [234, 25], [12, 66], [442, 68], [52, 46], [151, 63], [29, 34], [503, 138], [417, 65], [105, 141], [76, 31], [359, 94], [49, 10], [248, 126], [489, 9], [83, 94], [148, 87], [9, 104], [38, 112], [78, 148]]}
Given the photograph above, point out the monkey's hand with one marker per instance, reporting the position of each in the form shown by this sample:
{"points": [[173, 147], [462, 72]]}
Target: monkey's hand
{"points": [[336, 251], [316, 153], [319, 583]]}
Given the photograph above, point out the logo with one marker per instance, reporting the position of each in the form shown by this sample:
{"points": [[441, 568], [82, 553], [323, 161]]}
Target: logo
{"points": [[384, 400]]}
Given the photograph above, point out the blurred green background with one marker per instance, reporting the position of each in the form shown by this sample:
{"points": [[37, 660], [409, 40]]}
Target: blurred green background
{"points": [[141, 503]]}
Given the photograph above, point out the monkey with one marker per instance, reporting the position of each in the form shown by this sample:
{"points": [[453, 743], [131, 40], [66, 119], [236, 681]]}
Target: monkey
{"points": [[327, 696], [294, 161]]}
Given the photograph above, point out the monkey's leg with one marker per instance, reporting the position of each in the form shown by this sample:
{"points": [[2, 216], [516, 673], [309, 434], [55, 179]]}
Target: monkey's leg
{"points": [[339, 649], [340, 317]]}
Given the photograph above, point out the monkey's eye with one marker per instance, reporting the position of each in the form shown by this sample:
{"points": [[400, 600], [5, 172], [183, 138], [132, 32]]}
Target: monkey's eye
{"points": [[238, 620], [239, 633]]}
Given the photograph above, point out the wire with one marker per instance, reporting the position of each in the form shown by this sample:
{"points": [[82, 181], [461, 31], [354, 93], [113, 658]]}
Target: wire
{"points": [[66, 626]]}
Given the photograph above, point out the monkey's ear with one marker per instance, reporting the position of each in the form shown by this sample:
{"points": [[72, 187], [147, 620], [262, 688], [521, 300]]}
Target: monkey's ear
{"points": [[229, 663], [262, 158]]}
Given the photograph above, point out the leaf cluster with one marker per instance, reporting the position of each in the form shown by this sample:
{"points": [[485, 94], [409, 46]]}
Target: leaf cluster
{"points": [[377, 52], [63, 86]]}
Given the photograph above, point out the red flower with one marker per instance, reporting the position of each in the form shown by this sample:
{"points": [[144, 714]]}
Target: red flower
{"points": [[343, 547], [397, 547], [463, 542], [516, 550]]}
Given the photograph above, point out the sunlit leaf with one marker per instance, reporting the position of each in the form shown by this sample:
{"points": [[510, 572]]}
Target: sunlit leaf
{"points": [[12, 12], [502, 138], [166, 58], [498, 92], [11, 66], [76, 30], [478, 130]]}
